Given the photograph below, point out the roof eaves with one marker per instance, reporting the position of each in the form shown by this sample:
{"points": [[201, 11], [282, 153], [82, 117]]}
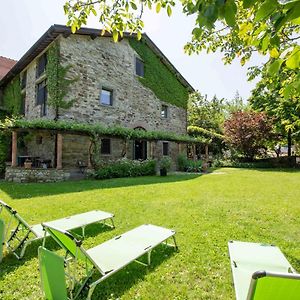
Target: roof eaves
{"points": [[55, 30]]}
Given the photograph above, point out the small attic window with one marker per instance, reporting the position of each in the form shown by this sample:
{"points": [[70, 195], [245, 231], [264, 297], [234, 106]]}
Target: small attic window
{"points": [[139, 67]]}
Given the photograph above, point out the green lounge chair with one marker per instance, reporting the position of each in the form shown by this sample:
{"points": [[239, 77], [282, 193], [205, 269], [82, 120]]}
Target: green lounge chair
{"points": [[1, 238], [261, 272], [19, 234], [106, 258]]}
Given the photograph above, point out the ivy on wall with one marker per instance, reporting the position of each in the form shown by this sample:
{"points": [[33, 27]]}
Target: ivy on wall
{"points": [[158, 77], [99, 129], [57, 82], [12, 98], [4, 144]]}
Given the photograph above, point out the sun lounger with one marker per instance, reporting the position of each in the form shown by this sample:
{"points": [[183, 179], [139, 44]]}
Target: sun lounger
{"points": [[261, 272], [18, 233], [106, 258]]}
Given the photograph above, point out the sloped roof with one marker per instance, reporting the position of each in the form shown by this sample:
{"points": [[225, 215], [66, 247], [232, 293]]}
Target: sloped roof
{"points": [[5, 65], [55, 30]]}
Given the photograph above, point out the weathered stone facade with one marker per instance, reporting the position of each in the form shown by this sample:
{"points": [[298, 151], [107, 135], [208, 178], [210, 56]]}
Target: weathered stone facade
{"points": [[102, 63], [97, 63], [21, 175]]}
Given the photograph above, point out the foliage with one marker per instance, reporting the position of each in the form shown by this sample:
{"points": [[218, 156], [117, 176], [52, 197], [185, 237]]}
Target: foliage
{"points": [[251, 204], [267, 27], [208, 114], [4, 146], [12, 96], [125, 168], [98, 128], [115, 16], [165, 163], [181, 162], [284, 111], [248, 132], [195, 130], [188, 165], [158, 77], [235, 27], [282, 162], [58, 84]]}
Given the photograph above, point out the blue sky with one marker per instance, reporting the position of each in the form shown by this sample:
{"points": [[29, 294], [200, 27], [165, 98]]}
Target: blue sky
{"points": [[23, 22]]}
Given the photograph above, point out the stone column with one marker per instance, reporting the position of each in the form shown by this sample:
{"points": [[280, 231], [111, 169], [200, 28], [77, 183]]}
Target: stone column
{"points": [[59, 151], [14, 149], [89, 155], [151, 149]]}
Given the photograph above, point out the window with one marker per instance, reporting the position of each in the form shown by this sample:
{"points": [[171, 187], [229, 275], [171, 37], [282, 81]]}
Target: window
{"points": [[23, 80], [41, 96], [105, 146], [139, 67], [165, 148], [164, 111], [106, 96], [41, 65]]}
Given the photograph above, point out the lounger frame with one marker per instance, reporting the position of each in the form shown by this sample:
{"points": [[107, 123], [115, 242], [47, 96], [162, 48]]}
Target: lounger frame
{"points": [[90, 265], [22, 234]]}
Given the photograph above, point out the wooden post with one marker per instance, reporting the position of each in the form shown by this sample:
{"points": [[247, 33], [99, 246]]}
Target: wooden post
{"points": [[89, 155], [59, 151], [14, 149], [194, 152], [206, 152]]}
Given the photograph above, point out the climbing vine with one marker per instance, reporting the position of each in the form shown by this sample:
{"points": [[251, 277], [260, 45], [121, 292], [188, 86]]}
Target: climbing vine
{"points": [[100, 129], [58, 84], [158, 77], [12, 98]]}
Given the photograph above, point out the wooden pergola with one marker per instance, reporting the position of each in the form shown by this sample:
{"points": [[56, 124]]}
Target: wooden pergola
{"points": [[59, 145]]}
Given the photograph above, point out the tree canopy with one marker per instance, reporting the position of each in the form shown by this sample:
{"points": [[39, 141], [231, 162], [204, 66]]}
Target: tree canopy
{"points": [[237, 28], [247, 132]]}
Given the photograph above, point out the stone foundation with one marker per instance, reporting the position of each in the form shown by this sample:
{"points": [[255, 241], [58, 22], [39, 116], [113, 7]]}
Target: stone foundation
{"points": [[22, 175]]}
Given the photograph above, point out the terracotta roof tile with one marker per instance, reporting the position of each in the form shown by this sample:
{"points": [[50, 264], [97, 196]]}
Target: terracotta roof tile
{"points": [[5, 65]]}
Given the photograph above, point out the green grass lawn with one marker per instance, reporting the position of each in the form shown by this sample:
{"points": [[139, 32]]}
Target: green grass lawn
{"points": [[206, 212]]}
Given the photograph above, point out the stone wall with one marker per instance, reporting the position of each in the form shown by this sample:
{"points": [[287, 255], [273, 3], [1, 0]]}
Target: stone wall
{"points": [[42, 145], [102, 63], [21, 175]]}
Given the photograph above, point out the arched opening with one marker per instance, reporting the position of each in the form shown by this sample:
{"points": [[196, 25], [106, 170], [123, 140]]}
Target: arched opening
{"points": [[140, 147]]}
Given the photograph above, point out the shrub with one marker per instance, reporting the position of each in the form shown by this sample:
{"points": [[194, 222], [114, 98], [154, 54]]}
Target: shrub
{"points": [[126, 168], [165, 163], [182, 162], [188, 165], [193, 165]]}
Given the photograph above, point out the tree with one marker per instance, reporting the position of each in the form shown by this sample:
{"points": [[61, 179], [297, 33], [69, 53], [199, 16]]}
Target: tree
{"points": [[284, 111], [234, 105], [204, 113], [235, 27], [247, 132]]}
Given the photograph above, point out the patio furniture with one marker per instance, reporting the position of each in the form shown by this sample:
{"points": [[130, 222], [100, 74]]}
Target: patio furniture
{"points": [[107, 258], [81, 165], [1, 238], [22, 234], [23, 158], [261, 272]]}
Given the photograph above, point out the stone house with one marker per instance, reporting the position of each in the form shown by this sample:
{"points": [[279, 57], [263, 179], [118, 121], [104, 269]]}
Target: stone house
{"points": [[129, 84]]}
